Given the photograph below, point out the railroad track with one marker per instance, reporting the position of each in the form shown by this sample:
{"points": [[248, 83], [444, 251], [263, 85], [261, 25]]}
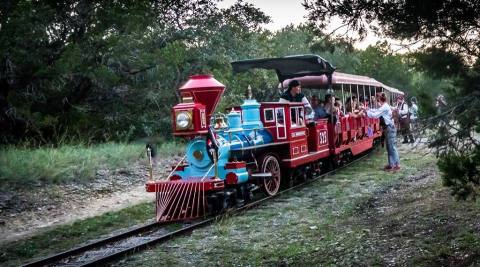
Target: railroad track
{"points": [[108, 249]]}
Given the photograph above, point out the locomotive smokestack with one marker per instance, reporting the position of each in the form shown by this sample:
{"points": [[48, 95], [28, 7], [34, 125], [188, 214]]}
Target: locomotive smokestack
{"points": [[204, 89]]}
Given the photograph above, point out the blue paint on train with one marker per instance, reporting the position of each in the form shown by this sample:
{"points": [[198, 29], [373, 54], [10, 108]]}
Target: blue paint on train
{"points": [[244, 130]]}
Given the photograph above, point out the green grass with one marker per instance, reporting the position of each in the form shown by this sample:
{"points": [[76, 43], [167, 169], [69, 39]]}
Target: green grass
{"points": [[68, 236], [20, 166], [325, 224]]}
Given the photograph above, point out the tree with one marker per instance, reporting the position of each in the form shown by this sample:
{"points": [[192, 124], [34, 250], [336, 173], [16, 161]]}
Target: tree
{"points": [[102, 69], [449, 34], [381, 63]]}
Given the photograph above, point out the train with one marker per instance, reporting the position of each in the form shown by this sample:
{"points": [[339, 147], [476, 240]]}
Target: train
{"points": [[259, 146]]}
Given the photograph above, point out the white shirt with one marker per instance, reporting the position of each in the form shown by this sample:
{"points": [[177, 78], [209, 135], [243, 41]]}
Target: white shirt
{"points": [[403, 110], [305, 104], [413, 111], [385, 111]]}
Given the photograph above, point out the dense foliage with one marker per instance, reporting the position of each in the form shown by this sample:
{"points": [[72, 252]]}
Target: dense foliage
{"points": [[108, 70], [449, 34], [105, 69]]}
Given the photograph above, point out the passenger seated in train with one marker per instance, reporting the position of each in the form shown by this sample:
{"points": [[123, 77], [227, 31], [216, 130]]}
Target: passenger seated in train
{"points": [[339, 106], [352, 108], [350, 104], [294, 94], [337, 111], [318, 108], [329, 107], [329, 100], [363, 102]]}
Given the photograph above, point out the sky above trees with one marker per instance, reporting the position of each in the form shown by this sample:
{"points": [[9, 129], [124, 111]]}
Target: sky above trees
{"points": [[284, 13], [281, 12]]}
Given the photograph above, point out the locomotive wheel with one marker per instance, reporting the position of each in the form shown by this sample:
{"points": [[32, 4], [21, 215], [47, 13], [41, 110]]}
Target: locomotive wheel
{"points": [[271, 185]]}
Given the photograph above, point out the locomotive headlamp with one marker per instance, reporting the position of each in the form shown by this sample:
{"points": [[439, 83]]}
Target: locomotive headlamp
{"points": [[184, 120]]}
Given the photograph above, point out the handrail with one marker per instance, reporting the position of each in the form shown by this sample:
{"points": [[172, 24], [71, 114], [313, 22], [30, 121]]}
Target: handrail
{"points": [[174, 169]]}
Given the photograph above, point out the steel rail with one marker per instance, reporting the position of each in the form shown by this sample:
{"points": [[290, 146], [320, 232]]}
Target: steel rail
{"points": [[154, 240], [94, 244]]}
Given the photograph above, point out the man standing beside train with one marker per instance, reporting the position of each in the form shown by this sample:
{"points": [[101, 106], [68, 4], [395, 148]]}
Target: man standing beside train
{"points": [[404, 114], [385, 111], [413, 117]]}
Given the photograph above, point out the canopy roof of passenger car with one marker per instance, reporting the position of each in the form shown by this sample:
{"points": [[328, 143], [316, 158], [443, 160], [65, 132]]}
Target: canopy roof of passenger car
{"points": [[311, 70], [393, 90], [341, 78], [337, 78], [288, 67]]}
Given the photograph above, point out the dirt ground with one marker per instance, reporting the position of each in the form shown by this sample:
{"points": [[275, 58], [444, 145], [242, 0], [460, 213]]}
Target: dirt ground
{"points": [[361, 216], [416, 218], [27, 212]]}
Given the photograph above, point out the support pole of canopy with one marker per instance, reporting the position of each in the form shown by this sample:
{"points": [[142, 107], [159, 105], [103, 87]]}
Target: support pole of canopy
{"points": [[358, 94], [364, 97], [369, 96], [329, 80], [350, 85]]}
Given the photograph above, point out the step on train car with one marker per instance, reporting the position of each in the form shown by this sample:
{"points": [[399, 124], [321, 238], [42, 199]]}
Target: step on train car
{"points": [[259, 145]]}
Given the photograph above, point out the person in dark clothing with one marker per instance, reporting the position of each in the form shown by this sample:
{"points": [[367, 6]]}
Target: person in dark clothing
{"points": [[294, 94]]}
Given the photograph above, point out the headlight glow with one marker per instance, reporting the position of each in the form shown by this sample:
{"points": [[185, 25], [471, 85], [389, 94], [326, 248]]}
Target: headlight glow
{"points": [[183, 120]]}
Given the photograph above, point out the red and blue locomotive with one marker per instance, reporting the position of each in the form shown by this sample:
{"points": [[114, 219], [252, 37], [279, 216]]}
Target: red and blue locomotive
{"points": [[258, 145]]}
